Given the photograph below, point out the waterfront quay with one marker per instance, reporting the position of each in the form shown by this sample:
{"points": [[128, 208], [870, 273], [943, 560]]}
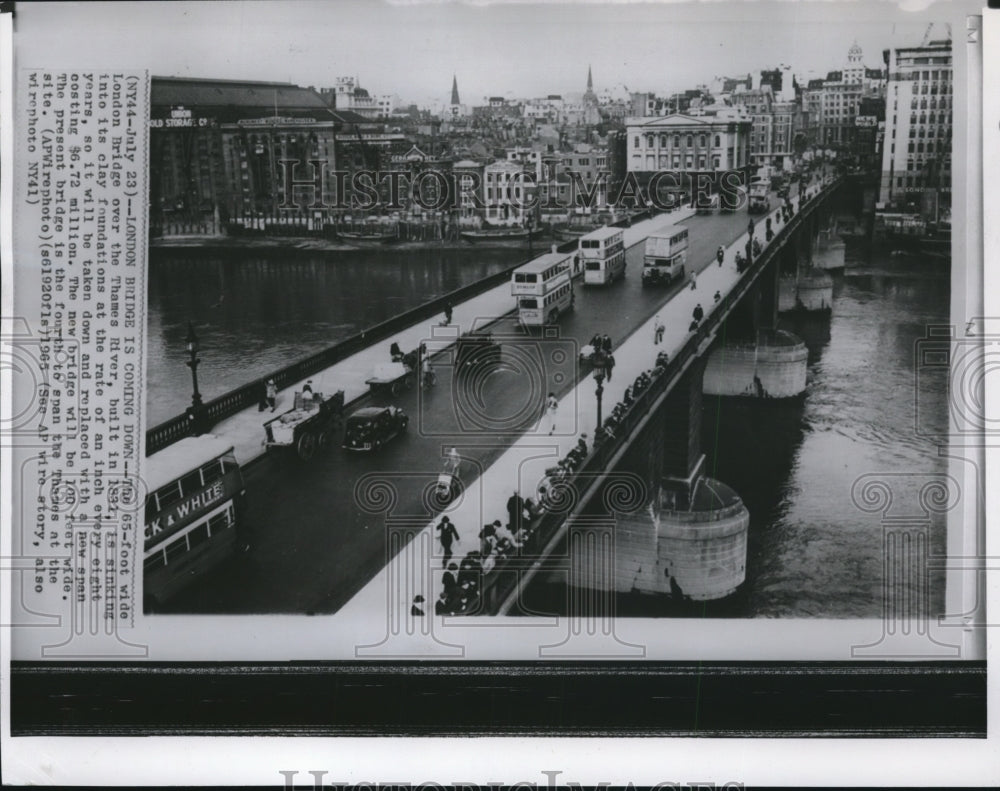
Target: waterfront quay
{"points": [[332, 524]]}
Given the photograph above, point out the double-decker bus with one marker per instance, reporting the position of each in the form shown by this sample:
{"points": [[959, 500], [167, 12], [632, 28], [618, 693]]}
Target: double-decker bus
{"points": [[192, 512], [533, 278], [665, 255], [603, 255], [543, 288]]}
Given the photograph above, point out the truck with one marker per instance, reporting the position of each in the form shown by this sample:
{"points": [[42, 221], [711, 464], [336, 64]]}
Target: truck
{"points": [[760, 200], [310, 425], [665, 256]]}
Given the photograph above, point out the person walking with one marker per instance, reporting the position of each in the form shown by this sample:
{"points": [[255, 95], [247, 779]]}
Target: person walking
{"points": [[658, 331], [448, 535], [698, 313], [720, 254], [272, 394], [606, 344], [609, 365], [447, 313], [448, 580], [551, 408]]}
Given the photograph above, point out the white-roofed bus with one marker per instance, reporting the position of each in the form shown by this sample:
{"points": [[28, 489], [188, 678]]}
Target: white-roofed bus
{"points": [[603, 255], [195, 495], [544, 289]]}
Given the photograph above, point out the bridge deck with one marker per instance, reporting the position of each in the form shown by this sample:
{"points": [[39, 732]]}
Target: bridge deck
{"points": [[316, 543], [524, 463]]}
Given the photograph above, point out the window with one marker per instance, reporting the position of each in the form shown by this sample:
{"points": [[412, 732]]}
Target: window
{"points": [[702, 140], [718, 142], [677, 141], [690, 141], [636, 141], [649, 141], [663, 141]]}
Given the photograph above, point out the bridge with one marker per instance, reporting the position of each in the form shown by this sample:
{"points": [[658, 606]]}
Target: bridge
{"points": [[347, 532]]}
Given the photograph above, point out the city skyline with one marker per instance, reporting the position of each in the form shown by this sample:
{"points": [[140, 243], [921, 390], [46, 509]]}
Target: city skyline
{"points": [[492, 50]]}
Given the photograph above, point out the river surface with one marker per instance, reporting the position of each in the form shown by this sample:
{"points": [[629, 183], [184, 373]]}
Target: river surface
{"points": [[255, 311], [812, 551]]}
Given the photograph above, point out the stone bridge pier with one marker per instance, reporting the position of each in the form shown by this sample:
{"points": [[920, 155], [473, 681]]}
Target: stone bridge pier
{"points": [[802, 286], [751, 356], [688, 540]]}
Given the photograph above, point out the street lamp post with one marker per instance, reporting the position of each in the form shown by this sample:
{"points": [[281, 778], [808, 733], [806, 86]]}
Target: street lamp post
{"points": [[192, 348], [527, 224], [599, 378]]}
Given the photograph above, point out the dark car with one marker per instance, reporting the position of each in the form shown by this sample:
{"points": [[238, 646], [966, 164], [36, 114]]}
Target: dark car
{"points": [[476, 349], [370, 428]]}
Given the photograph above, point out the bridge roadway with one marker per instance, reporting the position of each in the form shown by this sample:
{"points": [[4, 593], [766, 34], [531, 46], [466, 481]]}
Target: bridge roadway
{"points": [[316, 531]]}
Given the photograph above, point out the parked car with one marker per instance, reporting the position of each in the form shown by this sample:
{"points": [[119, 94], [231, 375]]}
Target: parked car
{"points": [[371, 427]]}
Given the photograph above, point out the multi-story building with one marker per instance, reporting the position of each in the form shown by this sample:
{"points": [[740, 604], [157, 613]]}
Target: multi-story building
{"points": [[217, 148], [347, 94], [588, 162], [505, 193], [717, 140], [468, 182], [916, 158], [831, 105]]}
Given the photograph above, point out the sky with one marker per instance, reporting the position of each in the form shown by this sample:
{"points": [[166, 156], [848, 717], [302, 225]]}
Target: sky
{"points": [[510, 48]]}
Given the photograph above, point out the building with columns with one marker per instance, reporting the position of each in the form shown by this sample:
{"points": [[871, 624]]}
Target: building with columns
{"points": [[713, 142]]}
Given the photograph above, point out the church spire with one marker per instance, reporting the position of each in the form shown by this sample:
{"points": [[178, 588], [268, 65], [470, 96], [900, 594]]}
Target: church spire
{"points": [[454, 90], [590, 79]]}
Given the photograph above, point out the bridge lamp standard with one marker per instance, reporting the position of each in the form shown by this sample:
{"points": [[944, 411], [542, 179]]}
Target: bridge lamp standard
{"points": [[193, 345], [599, 374]]}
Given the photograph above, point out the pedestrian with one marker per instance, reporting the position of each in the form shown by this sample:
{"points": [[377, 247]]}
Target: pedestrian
{"points": [[447, 313], [272, 394], [551, 407], [718, 296], [720, 254], [487, 540], [609, 365], [658, 331], [416, 608], [606, 344], [307, 392], [448, 535], [698, 312], [694, 281], [448, 580], [262, 403]]}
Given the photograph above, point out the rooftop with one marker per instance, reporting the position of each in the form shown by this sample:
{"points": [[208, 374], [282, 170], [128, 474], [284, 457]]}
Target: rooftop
{"points": [[234, 100]]}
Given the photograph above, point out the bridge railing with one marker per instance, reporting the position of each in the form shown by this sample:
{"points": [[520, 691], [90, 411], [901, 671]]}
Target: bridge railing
{"points": [[502, 582]]}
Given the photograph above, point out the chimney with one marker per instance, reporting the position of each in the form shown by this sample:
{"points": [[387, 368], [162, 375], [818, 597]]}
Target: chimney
{"points": [[555, 247]]}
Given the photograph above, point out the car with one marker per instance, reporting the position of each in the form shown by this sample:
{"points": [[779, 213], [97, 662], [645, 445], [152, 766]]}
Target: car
{"points": [[371, 427]]}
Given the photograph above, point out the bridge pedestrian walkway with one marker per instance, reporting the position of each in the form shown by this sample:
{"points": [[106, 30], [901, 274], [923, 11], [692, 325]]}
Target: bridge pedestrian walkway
{"points": [[245, 429], [522, 466]]}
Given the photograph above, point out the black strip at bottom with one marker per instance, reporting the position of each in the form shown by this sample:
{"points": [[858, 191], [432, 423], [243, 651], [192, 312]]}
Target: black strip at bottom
{"points": [[945, 699]]}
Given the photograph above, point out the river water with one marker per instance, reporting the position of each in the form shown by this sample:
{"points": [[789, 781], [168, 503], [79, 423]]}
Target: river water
{"points": [[812, 551], [255, 311]]}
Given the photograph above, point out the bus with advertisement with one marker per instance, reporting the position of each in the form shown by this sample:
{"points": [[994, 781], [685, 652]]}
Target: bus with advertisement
{"points": [[603, 255], [543, 289], [193, 512]]}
